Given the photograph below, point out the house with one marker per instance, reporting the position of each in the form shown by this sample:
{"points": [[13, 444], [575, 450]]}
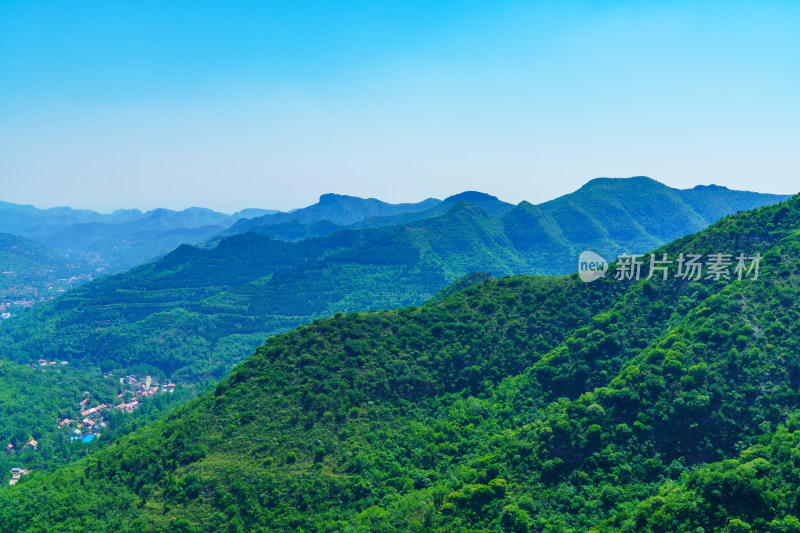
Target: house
{"points": [[33, 444], [17, 473]]}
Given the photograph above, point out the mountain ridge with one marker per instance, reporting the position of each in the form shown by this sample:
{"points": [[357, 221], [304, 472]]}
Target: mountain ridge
{"points": [[337, 209], [592, 217]]}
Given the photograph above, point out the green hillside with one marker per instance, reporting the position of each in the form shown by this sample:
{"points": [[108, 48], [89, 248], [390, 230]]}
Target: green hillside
{"points": [[315, 221], [291, 227], [517, 404]]}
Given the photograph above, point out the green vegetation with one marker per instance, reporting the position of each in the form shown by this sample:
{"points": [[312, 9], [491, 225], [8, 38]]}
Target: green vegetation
{"points": [[517, 404]]}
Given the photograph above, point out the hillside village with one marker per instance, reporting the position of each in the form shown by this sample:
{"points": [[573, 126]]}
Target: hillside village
{"points": [[92, 419], [28, 293]]}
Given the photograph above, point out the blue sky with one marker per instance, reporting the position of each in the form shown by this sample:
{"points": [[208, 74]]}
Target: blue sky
{"points": [[270, 104]]}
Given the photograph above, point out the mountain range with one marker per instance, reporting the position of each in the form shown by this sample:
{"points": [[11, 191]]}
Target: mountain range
{"points": [[336, 209], [518, 404], [602, 214], [197, 311], [607, 214], [122, 239]]}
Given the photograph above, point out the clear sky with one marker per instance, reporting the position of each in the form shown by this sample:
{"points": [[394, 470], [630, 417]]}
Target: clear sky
{"points": [[235, 104]]}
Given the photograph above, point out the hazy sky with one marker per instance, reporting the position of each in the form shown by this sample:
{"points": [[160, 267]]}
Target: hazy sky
{"points": [[270, 104]]}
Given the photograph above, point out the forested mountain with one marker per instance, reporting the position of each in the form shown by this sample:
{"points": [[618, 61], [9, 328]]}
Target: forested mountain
{"points": [[196, 312], [296, 230], [609, 215], [613, 216], [516, 404], [31, 272]]}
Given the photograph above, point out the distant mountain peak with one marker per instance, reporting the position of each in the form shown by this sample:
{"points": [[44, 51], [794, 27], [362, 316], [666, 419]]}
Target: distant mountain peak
{"points": [[472, 197], [333, 197], [711, 187], [525, 205], [606, 182], [159, 212]]}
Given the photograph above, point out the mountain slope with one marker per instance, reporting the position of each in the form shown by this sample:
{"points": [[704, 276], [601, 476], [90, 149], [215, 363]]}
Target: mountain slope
{"points": [[33, 223], [517, 404]]}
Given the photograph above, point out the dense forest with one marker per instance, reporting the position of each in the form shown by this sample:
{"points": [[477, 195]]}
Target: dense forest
{"points": [[515, 404]]}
